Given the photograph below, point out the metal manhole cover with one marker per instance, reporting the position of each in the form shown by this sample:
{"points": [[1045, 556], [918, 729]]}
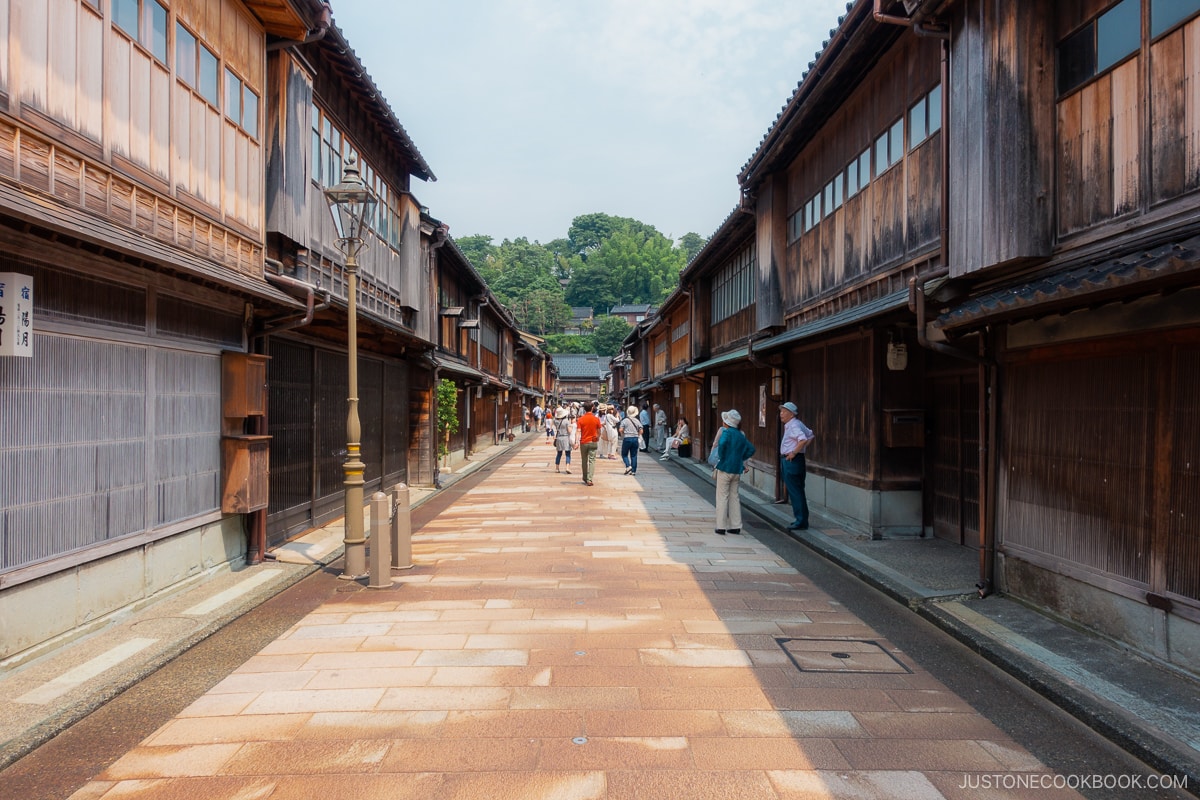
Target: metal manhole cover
{"points": [[842, 655]]}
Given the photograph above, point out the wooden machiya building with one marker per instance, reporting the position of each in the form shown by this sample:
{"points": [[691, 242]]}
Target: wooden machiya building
{"points": [[133, 141], [976, 262], [477, 342], [325, 113]]}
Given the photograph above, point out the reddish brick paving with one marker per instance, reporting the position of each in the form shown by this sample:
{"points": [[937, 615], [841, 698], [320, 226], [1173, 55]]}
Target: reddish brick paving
{"points": [[562, 641]]}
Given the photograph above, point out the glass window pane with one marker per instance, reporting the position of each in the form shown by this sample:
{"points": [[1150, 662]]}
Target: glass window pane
{"points": [[896, 140], [250, 112], [837, 192], [125, 16], [851, 178], [316, 158], [233, 97], [209, 81], [185, 55], [1165, 14], [864, 168], [156, 30], [881, 153], [916, 123], [1077, 59], [935, 109], [829, 198], [1118, 33]]}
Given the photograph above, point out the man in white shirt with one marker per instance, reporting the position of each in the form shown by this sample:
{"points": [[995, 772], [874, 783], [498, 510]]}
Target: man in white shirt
{"points": [[796, 437]]}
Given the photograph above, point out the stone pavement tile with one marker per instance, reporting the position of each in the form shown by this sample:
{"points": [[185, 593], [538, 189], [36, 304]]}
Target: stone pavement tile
{"points": [[573, 697], [706, 698], [370, 678], [257, 682], [210, 730], [853, 699], [218, 705], [359, 787], [472, 658], [920, 754], [928, 700], [415, 642], [766, 753], [420, 698], [803, 724], [389, 659], [342, 756], [599, 657], [908, 725], [275, 663], [529, 723], [632, 752], [302, 701], [283, 647], [574, 785], [822, 784], [766, 678], [635, 722], [215, 788], [690, 784], [373, 724], [171, 761], [474, 754], [491, 676]]}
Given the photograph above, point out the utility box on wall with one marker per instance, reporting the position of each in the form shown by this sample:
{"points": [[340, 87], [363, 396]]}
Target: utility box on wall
{"points": [[903, 427], [245, 456]]}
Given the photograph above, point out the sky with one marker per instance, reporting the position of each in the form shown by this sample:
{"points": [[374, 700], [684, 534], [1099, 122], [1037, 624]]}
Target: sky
{"points": [[533, 112]]}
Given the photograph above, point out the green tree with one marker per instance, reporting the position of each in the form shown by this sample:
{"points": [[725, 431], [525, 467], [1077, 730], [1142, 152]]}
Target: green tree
{"points": [[542, 310], [447, 412], [568, 343], [609, 333], [640, 270], [478, 249], [691, 244]]}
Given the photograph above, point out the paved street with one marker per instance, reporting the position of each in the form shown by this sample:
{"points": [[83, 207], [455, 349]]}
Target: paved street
{"points": [[562, 641]]}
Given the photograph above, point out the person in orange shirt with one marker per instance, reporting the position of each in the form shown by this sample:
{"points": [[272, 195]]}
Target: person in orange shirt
{"points": [[589, 439]]}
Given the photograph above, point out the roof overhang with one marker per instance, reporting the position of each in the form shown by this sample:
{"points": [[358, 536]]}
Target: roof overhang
{"points": [[831, 323], [1165, 268]]}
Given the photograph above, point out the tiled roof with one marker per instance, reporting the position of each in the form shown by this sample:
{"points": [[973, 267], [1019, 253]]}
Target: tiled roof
{"points": [[575, 367], [1116, 279]]}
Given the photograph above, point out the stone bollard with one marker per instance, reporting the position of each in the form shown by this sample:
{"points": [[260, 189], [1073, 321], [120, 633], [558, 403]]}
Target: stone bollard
{"points": [[401, 528], [380, 555]]}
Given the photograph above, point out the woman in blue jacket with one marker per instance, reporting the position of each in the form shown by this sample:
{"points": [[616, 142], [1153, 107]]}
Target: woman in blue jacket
{"points": [[733, 448]]}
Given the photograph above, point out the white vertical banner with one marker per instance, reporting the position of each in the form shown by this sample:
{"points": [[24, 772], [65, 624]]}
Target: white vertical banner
{"points": [[16, 314]]}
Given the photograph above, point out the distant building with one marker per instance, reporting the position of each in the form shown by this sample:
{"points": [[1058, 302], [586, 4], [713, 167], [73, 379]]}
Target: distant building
{"points": [[632, 314], [582, 320], [579, 376]]}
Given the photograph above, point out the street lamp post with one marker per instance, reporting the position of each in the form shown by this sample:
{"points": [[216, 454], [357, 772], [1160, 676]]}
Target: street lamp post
{"points": [[350, 202]]}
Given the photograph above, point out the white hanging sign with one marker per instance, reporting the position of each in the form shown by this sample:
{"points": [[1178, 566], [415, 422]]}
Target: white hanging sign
{"points": [[16, 314]]}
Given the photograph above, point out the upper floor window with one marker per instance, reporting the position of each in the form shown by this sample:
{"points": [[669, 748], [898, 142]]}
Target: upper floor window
{"points": [[925, 117], [1166, 14], [733, 286], [889, 147], [145, 21], [196, 65], [241, 104], [833, 195], [795, 225], [1099, 45]]}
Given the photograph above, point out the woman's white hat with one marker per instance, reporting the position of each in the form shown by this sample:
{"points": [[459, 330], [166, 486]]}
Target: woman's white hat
{"points": [[561, 413], [731, 418], [631, 411]]}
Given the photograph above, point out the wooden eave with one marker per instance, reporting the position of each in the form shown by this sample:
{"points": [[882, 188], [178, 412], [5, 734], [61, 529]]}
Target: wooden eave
{"points": [[281, 17], [852, 50], [737, 229], [335, 54]]}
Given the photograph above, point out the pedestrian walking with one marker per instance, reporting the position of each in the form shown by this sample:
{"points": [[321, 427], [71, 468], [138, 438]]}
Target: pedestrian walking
{"points": [[589, 440], [631, 439], [796, 438], [644, 419], [537, 417], [733, 448], [563, 438]]}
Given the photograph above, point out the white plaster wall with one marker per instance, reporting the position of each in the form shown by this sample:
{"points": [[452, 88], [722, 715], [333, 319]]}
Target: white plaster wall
{"points": [[58, 608]]}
